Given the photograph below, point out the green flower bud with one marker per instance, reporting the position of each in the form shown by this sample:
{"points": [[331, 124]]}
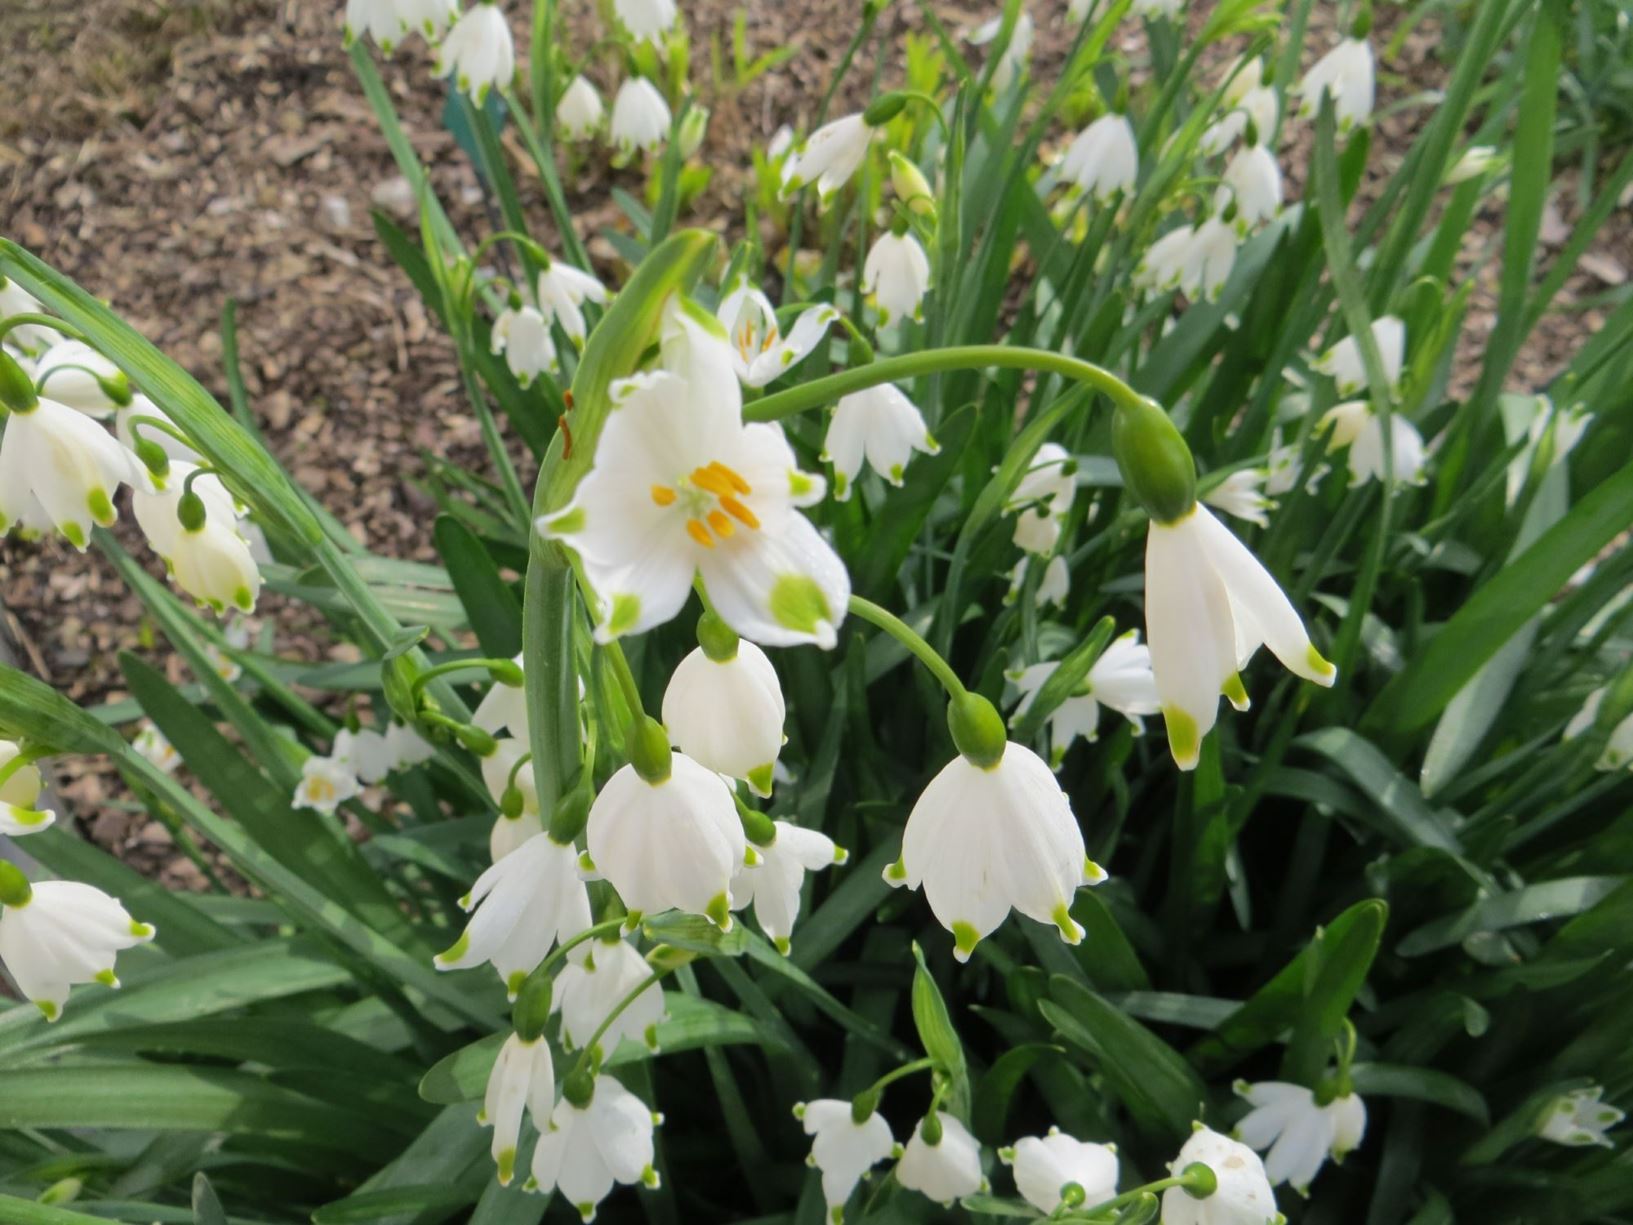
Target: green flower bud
{"points": [[512, 802], [649, 750], [16, 389], [532, 1008], [718, 640], [505, 673], [1156, 464], [116, 387], [911, 185], [692, 130], [884, 109], [863, 1105], [758, 828], [978, 730], [476, 740]]}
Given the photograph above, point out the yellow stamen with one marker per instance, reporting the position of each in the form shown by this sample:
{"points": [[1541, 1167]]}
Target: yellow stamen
{"points": [[698, 532], [663, 495], [737, 482], [710, 480], [723, 527], [738, 511]]}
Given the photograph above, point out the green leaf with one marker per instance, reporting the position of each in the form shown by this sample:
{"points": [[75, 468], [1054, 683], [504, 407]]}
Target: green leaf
{"points": [[490, 603], [939, 1038], [1337, 969], [1422, 1084], [989, 1111], [1402, 810], [1555, 899], [16, 1211], [207, 1208], [370, 1206], [33, 712]]}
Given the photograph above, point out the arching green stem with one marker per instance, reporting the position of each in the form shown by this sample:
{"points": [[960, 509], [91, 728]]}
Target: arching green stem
{"points": [[498, 669], [618, 1009], [25, 757], [39, 320], [905, 634]]}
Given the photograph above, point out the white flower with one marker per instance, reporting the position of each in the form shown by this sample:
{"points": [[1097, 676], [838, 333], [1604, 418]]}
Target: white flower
{"points": [[1104, 159], [1243, 1195], [1193, 259], [1247, 100], [1056, 583], [524, 903], [15, 300], [760, 352], [728, 714], [18, 796], [580, 112], [1345, 73], [129, 429], [1043, 1166], [75, 374], [429, 17], [1254, 181], [1209, 604], [1079, 10], [1343, 360], [1120, 679], [646, 20], [670, 845], [896, 276], [773, 883], [1013, 64], [1043, 496], [478, 51], [503, 708], [1299, 1132], [379, 19], [946, 1171], [1476, 161], [1618, 750], [1579, 1118], [522, 334], [498, 768], [326, 783], [562, 290], [586, 993], [1569, 423], [1282, 467], [681, 487], [523, 1077], [1355, 425], [880, 424], [155, 746], [587, 1149], [982, 841], [209, 560], [843, 1149], [780, 144], [640, 117], [1156, 8], [830, 156], [59, 466], [57, 933], [1242, 494], [406, 747]]}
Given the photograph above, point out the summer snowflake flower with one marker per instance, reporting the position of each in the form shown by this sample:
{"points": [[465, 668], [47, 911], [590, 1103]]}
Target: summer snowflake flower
{"points": [[589, 1148], [562, 291], [880, 424], [1254, 181], [1156, 8], [1343, 360], [646, 20], [429, 17], [587, 992], [1013, 64], [947, 1170], [1120, 679], [1346, 74], [1242, 494], [58, 933], [580, 112], [503, 708], [1104, 158], [1247, 101], [896, 276], [1044, 1165], [524, 903], [1056, 583], [199, 539], [640, 117], [499, 768], [843, 1149], [405, 747], [1299, 1131], [773, 884], [682, 487], [18, 796], [1355, 425], [58, 465], [760, 352], [155, 747], [1579, 1118], [15, 300], [77, 375], [1043, 496], [830, 156], [1618, 750], [523, 1078], [1194, 259], [1243, 1195], [326, 783], [478, 51], [128, 429], [381, 20], [728, 714], [522, 334]]}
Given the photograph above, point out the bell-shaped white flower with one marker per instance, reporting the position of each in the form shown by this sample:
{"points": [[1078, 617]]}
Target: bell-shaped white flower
{"points": [[501, 769], [1618, 751], [428, 17], [1242, 1194], [880, 424], [896, 276], [1343, 361], [479, 52], [364, 750], [646, 20], [1476, 162], [58, 465], [1299, 1131], [380, 20], [15, 300], [1045, 1165], [1193, 259], [580, 112], [524, 903], [1056, 583], [326, 783], [73, 373], [562, 292], [405, 747], [588, 1149], [1121, 679], [1104, 159], [587, 992], [128, 427], [58, 933], [640, 117], [1242, 494], [1346, 73], [772, 884], [947, 1170], [760, 352], [1254, 182], [1012, 67], [843, 1149], [1209, 605], [1355, 425], [19, 795], [681, 487], [1043, 496], [503, 708], [198, 539], [829, 157], [523, 1078], [728, 714], [1248, 104], [1578, 1119], [522, 334]]}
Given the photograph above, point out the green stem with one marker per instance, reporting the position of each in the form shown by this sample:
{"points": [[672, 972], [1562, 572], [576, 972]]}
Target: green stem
{"points": [[566, 946], [1127, 1197], [905, 634], [907, 1069], [541, 67], [544, 158], [146, 421], [39, 320], [25, 757], [455, 665], [618, 1009], [626, 680]]}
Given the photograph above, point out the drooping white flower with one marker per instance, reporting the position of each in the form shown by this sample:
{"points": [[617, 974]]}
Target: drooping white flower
{"points": [[15, 300], [523, 904], [669, 845], [588, 991], [499, 768], [1283, 465], [1104, 158], [947, 1170], [155, 746], [773, 883], [326, 783], [18, 796], [1578, 1119], [842, 1149], [983, 841], [640, 117], [1618, 751], [1355, 425], [1044, 1165], [1567, 422], [1043, 496], [206, 556], [682, 487], [1209, 605], [478, 52], [1056, 583], [1476, 161], [1016, 55], [1247, 102], [73, 373], [880, 424], [760, 352], [829, 157], [728, 714], [588, 1149], [1193, 259], [896, 276], [380, 20], [428, 17], [406, 747], [580, 112], [1120, 679], [1343, 360], [1299, 1131], [1242, 494], [1254, 182], [1243, 1195], [503, 708], [562, 292], [129, 428], [522, 334], [57, 933], [59, 466], [523, 1078], [1346, 73], [646, 20]]}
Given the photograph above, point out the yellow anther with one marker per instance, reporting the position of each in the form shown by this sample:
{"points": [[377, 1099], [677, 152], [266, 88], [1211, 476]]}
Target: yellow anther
{"points": [[723, 527], [738, 511], [737, 482], [712, 480], [697, 531], [663, 495]]}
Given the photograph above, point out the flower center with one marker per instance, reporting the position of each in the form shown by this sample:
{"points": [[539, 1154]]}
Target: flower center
{"points": [[750, 340], [711, 497], [321, 790]]}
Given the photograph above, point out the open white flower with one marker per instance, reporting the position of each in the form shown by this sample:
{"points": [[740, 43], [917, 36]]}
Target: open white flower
{"points": [[682, 487], [524, 903], [18, 796], [73, 373], [479, 52], [588, 1149], [1120, 679], [1355, 425], [57, 933], [366, 752], [1254, 182], [880, 424], [15, 300], [18, 820], [562, 291], [1243, 1195], [523, 1078], [640, 117], [1193, 259], [945, 1171], [1578, 1119], [1242, 494], [522, 334], [1299, 1131], [1043, 496], [1346, 73], [1209, 605], [1016, 55], [58, 465], [1104, 158], [326, 783], [896, 276], [1044, 1165], [503, 708], [830, 157], [580, 112], [1618, 751], [587, 992], [728, 714], [198, 539], [129, 429], [1247, 101], [646, 20], [772, 884], [842, 1149], [760, 352], [155, 746], [1343, 360]]}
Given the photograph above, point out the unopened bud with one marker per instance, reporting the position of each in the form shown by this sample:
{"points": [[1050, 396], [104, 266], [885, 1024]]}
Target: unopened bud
{"points": [[884, 109], [693, 129], [911, 186]]}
